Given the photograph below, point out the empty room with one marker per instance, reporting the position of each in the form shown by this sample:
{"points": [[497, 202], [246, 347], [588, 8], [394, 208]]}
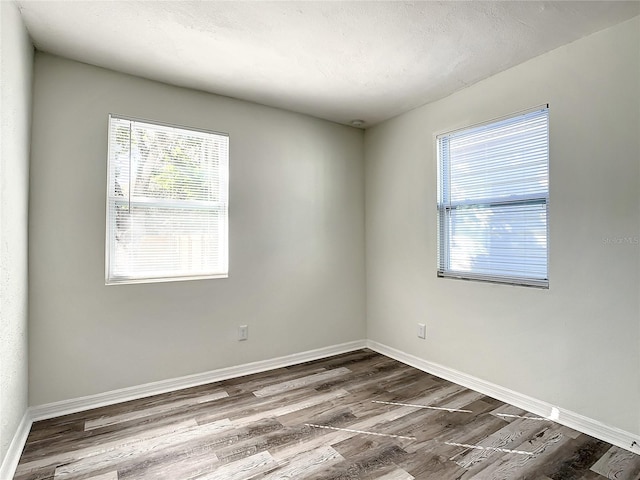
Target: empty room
{"points": [[319, 240]]}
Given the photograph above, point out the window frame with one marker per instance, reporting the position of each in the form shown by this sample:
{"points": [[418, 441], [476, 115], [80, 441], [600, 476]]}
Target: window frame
{"points": [[131, 201], [443, 209]]}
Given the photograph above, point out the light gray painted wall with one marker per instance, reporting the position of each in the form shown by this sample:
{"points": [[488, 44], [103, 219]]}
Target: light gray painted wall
{"points": [[576, 345], [16, 54], [296, 240]]}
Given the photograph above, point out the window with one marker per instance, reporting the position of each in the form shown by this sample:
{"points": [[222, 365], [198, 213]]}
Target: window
{"points": [[166, 203], [493, 192]]}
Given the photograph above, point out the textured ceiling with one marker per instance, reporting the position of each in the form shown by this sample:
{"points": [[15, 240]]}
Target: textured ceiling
{"points": [[334, 60]]}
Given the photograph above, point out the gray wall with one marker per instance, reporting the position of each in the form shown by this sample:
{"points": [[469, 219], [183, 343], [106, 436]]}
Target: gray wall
{"points": [[576, 345], [16, 54], [296, 236]]}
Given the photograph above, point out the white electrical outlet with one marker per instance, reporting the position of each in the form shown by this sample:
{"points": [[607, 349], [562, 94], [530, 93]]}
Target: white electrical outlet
{"points": [[243, 332], [422, 330]]}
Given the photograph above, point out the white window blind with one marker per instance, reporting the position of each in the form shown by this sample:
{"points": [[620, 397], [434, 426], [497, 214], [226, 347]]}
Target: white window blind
{"points": [[166, 203], [493, 193]]}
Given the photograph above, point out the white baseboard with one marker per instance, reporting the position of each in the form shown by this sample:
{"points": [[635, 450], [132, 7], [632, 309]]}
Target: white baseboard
{"points": [[66, 407], [578, 422], [570, 419], [12, 457]]}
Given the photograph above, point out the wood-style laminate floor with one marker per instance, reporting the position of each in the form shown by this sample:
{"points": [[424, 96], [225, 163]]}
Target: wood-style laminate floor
{"points": [[359, 415]]}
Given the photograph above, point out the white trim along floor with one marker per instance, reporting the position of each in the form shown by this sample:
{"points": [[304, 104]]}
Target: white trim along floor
{"points": [[615, 436]]}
